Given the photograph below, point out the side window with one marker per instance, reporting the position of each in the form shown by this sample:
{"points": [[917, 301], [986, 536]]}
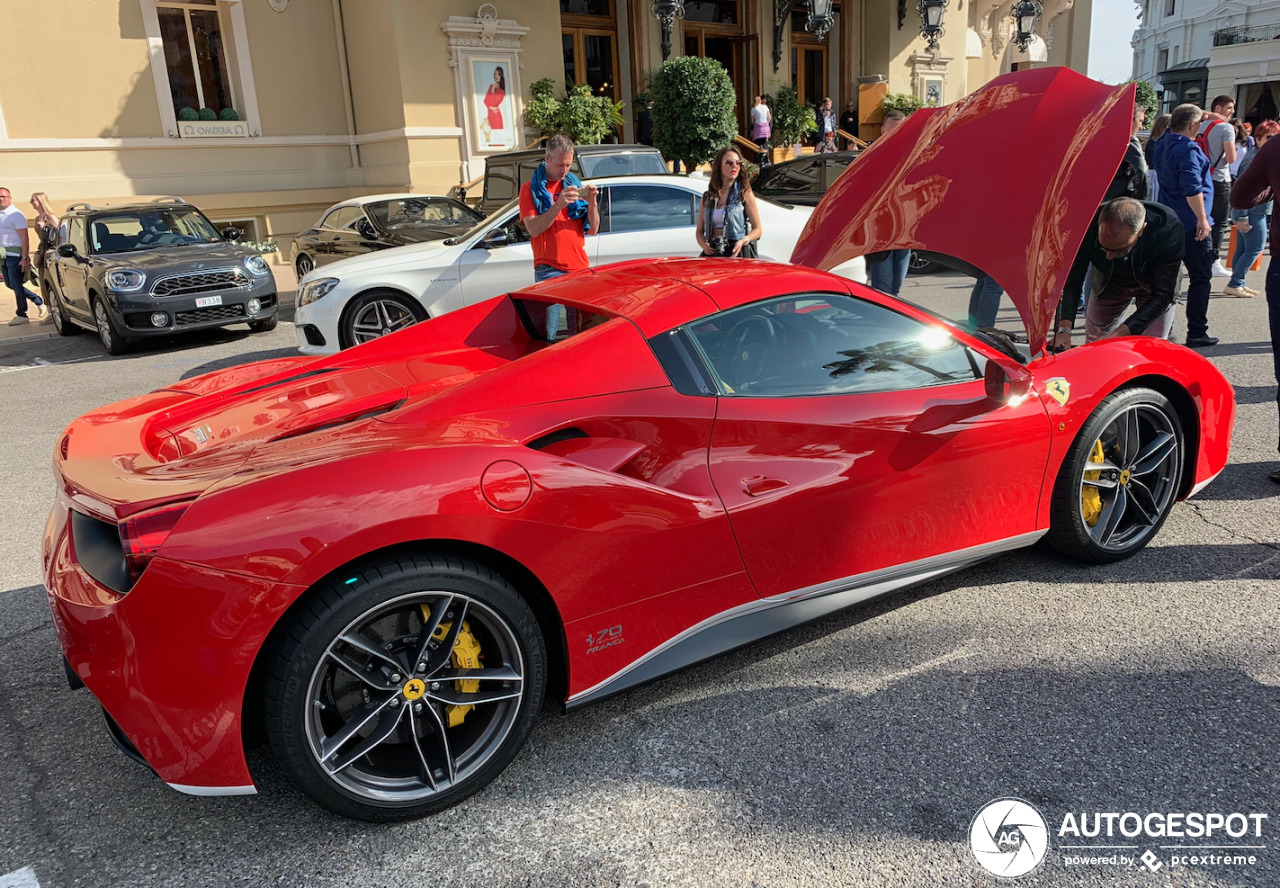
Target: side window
{"points": [[800, 177], [331, 220], [77, 236], [499, 183], [649, 207], [823, 344], [832, 169]]}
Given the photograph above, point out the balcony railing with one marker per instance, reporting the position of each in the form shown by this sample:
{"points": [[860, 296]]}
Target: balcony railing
{"points": [[1232, 36]]}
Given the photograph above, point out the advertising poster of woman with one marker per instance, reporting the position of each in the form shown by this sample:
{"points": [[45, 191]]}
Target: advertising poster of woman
{"points": [[495, 125]]}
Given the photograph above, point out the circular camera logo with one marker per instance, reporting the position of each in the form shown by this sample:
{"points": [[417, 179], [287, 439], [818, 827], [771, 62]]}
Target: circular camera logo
{"points": [[1009, 838]]}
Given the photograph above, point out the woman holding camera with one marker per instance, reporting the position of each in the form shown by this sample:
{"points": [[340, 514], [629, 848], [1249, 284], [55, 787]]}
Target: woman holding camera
{"points": [[728, 221]]}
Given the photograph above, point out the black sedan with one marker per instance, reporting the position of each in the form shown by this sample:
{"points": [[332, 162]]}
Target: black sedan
{"points": [[365, 224], [803, 180]]}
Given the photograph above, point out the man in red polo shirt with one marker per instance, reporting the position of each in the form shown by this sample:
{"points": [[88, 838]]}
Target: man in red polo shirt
{"points": [[558, 219]]}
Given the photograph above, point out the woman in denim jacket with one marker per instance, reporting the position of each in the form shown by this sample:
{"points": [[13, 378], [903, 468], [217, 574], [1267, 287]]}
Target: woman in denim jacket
{"points": [[1251, 224], [728, 221]]}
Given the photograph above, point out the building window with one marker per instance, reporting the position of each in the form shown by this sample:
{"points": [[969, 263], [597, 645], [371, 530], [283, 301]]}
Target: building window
{"points": [[200, 60], [195, 54], [1163, 63], [1171, 7]]}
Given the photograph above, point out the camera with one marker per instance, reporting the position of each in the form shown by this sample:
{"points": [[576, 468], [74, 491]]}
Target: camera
{"points": [[719, 246]]}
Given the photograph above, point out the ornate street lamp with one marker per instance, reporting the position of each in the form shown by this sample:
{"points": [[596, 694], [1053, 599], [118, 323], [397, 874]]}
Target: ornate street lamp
{"points": [[1025, 15], [931, 20], [666, 12], [818, 23], [820, 19]]}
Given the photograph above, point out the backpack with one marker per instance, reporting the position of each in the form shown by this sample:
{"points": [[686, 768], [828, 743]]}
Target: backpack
{"points": [[1203, 141]]}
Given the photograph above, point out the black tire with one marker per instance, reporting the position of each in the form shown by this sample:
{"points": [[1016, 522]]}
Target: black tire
{"points": [[303, 265], [345, 661], [265, 325], [63, 324], [1106, 511], [922, 265], [374, 314], [108, 333]]}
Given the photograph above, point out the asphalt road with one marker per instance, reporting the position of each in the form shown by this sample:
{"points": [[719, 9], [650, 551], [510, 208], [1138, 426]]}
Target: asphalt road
{"points": [[854, 751]]}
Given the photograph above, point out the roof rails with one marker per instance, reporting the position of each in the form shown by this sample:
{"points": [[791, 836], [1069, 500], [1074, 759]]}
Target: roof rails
{"points": [[80, 206], [168, 200]]}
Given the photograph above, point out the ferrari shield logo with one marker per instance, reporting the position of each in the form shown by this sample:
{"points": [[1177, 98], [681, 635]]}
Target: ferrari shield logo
{"points": [[1059, 389]]}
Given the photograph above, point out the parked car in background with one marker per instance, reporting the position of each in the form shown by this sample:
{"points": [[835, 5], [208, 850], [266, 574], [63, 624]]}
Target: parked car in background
{"points": [[368, 224], [152, 269], [505, 173], [803, 180], [640, 217]]}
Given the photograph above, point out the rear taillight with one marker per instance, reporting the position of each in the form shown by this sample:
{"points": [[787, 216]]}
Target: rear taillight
{"points": [[142, 535]]}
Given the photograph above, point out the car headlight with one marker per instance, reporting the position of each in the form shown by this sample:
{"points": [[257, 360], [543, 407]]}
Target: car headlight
{"points": [[126, 280], [257, 265], [313, 290]]}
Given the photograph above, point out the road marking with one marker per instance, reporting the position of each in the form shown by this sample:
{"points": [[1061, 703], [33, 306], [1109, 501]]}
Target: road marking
{"points": [[36, 364], [23, 878]]}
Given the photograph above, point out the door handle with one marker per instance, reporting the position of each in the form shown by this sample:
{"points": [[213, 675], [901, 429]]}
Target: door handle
{"points": [[757, 485]]}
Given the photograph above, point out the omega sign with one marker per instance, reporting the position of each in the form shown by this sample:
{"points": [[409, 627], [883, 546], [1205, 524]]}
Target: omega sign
{"points": [[213, 129]]}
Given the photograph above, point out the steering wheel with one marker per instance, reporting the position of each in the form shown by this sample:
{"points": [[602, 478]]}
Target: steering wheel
{"points": [[750, 346]]}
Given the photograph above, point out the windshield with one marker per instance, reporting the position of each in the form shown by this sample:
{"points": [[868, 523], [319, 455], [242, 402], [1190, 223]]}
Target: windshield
{"points": [[597, 166], [147, 229], [407, 213]]}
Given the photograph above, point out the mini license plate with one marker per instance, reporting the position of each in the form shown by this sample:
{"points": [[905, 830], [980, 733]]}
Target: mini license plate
{"points": [[207, 301]]}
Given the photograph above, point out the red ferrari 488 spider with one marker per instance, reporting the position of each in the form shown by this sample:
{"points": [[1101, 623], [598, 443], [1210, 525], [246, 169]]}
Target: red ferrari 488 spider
{"points": [[386, 559]]}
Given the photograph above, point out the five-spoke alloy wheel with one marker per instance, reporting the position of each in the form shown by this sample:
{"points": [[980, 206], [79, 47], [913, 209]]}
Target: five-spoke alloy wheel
{"points": [[376, 314], [406, 687], [1120, 481]]}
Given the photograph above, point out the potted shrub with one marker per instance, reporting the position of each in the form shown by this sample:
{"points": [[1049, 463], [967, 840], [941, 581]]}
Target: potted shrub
{"points": [[792, 119], [585, 118], [692, 109], [904, 102]]}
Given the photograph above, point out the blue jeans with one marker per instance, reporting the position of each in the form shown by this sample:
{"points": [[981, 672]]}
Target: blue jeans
{"points": [[1248, 249], [545, 273], [984, 302], [887, 275], [13, 280]]}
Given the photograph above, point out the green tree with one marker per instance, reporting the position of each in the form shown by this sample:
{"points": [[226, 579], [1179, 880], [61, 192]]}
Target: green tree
{"points": [[791, 118], [585, 118], [692, 109], [1149, 99]]}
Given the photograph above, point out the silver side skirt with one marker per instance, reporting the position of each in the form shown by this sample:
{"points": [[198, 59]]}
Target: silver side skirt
{"points": [[767, 616], [215, 790]]}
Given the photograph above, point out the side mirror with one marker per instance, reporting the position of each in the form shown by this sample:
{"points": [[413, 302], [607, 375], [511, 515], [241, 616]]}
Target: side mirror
{"points": [[67, 251], [1004, 385], [231, 234], [498, 237]]}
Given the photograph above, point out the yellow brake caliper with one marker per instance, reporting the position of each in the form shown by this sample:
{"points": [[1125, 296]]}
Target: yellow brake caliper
{"points": [[466, 655], [1091, 497]]}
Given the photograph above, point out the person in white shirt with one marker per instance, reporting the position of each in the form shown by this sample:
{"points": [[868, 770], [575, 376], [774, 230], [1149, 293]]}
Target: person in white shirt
{"points": [[17, 257]]}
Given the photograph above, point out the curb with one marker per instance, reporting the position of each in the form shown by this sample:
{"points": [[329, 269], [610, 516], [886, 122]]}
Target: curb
{"points": [[33, 337]]}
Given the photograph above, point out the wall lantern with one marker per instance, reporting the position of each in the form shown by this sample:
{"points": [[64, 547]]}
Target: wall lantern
{"points": [[818, 23], [931, 20], [666, 12], [1025, 15]]}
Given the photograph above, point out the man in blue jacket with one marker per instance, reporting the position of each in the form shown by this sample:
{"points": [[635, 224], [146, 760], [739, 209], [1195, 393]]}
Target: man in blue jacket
{"points": [[1181, 164]]}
